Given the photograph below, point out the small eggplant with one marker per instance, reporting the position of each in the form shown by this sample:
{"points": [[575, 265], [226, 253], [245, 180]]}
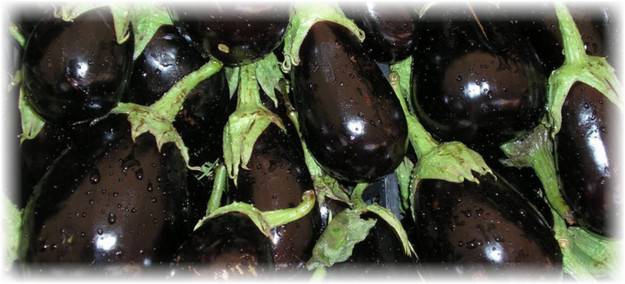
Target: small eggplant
{"points": [[350, 118], [76, 71], [228, 246], [165, 60], [481, 228], [587, 158], [389, 29], [236, 34], [276, 179], [472, 80], [109, 200]]}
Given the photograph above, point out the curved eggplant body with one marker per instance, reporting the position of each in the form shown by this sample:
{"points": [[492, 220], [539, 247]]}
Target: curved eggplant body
{"points": [[236, 34], [350, 118], [228, 246], [389, 29], [587, 158], [276, 179], [108, 201], [474, 82], [76, 71], [166, 59], [471, 228]]}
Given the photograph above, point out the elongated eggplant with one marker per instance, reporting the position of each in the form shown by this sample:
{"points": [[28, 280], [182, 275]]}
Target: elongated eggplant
{"points": [[76, 71], [587, 158], [350, 118], [166, 59], [472, 80], [481, 228], [276, 179], [109, 200], [228, 246], [236, 34], [389, 29]]}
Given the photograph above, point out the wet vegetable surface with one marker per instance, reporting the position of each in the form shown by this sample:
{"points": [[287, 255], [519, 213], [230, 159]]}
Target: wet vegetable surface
{"points": [[586, 150], [75, 71], [235, 34], [228, 246], [350, 117], [468, 227], [166, 59], [276, 179], [109, 201], [472, 82], [389, 29]]}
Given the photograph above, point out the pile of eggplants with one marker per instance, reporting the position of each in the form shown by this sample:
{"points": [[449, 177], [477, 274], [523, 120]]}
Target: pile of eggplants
{"points": [[274, 141]]}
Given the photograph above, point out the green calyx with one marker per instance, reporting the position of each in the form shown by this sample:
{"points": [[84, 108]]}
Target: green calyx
{"points": [[12, 226], [157, 119], [421, 141], [247, 123], [304, 16], [220, 185], [146, 20], [119, 11], [268, 220], [16, 34], [535, 149], [578, 67], [404, 174], [585, 256], [32, 123]]}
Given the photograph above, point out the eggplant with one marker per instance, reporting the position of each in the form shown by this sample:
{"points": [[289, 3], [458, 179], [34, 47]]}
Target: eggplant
{"points": [[76, 71], [350, 118], [473, 81], [236, 34], [38, 154], [470, 228], [389, 28], [540, 28], [228, 246], [166, 59], [276, 179], [587, 158], [108, 201]]}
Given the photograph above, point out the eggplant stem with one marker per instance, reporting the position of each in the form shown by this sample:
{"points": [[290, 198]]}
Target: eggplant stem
{"points": [[15, 32], [574, 51], [357, 195], [220, 185], [281, 217]]}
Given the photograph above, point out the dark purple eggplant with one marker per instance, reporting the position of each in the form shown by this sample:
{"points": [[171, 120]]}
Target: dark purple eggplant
{"points": [[350, 118], [37, 155], [472, 80], [389, 29], [165, 60], [540, 28], [236, 34], [481, 228], [587, 158], [276, 179], [76, 71], [228, 246], [109, 200]]}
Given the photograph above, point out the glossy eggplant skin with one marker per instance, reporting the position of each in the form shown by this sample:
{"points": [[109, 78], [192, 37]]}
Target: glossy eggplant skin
{"points": [[477, 87], [471, 228], [76, 71], [350, 118], [166, 59], [276, 179], [587, 158], [108, 201], [389, 29], [226, 246], [37, 155], [236, 34]]}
